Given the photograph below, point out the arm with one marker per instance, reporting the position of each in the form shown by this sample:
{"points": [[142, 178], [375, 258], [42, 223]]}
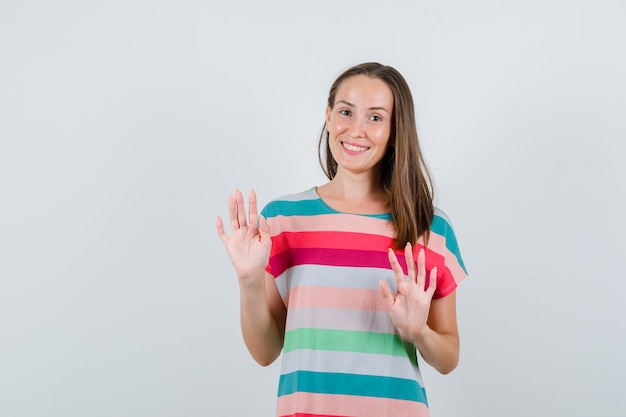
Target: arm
{"points": [[263, 317], [262, 310], [429, 324], [439, 342]]}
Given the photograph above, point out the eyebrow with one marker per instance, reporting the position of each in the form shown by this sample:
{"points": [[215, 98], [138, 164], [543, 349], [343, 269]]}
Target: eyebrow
{"points": [[371, 108]]}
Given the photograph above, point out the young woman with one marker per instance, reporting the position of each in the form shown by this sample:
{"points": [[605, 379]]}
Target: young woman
{"points": [[349, 280]]}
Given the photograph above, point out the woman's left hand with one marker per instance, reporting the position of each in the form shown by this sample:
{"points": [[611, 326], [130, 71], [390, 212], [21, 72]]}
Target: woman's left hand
{"points": [[410, 306]]}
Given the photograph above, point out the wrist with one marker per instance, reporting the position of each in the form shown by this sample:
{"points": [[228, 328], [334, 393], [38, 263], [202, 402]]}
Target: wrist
{"points": [[252, 282], [417, 337]]}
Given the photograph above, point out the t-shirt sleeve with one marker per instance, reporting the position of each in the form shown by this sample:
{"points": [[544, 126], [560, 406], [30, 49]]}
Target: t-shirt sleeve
{"points": [[444, 253]]}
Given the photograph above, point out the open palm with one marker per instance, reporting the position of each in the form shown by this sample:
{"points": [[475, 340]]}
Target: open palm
{"points": [[409, 307], [249, 243]]}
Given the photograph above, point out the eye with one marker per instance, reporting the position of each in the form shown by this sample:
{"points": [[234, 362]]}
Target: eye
{"points": [[344, 112], [375, 118]]}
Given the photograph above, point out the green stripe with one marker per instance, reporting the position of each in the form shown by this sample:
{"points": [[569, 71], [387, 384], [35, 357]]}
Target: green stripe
{"points": [[347, 384], [347, 341]]}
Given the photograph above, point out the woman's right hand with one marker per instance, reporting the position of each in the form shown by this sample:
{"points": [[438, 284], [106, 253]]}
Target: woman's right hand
{"points": [[263, 312], [249, 243]]}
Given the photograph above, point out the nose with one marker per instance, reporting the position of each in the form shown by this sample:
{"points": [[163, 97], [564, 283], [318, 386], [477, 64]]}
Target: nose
{"points": [[357, 128]]}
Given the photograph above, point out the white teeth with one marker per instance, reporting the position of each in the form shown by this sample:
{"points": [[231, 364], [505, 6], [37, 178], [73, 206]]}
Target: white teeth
{"points": [[354, 148]]}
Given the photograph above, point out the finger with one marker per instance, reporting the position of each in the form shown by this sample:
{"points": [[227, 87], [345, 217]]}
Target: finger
{"points": [[410, 263], [397, 269], [252, 209], [432, 281], [388, 296], [232, 213], [241, 210], [264, 230], [421, 268], [219, 225], [393, 260]]}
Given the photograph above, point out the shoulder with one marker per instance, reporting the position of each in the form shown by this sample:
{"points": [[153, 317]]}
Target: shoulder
{"points": [[441, 222], [442, 232], [443, 237]]}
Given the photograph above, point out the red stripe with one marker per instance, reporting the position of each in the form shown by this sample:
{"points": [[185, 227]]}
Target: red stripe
{"points": [[331, 240]]}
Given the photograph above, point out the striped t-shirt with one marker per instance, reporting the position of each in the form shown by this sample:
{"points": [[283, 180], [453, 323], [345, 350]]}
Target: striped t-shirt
{"points": [[341, 355]]}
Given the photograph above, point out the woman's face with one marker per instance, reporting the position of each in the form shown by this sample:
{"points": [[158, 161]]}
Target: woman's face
{"points": [[359, 124]]}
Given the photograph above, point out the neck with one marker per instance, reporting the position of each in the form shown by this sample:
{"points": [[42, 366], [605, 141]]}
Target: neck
{"points": [[355, 187], [355, 193]]}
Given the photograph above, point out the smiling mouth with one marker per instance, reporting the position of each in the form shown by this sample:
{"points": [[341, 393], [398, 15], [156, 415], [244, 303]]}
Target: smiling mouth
{"points": [[354, 148]]}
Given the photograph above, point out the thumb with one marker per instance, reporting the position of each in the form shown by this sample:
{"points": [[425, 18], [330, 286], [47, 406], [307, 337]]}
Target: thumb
{"points": [[264, 230]]}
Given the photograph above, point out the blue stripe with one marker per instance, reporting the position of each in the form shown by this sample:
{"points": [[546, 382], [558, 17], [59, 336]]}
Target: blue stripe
{"points": [[348, 384], [307, 208]]}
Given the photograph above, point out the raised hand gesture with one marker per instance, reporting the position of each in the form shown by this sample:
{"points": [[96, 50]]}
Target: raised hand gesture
{"points": [[249, 243], [410, 306]]}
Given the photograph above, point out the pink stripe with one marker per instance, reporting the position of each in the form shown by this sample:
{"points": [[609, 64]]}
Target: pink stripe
{"points": [[359, 258], [438, 244], [333, 257], [348, 298], [326, 222], [347, 405], [312, 415]]}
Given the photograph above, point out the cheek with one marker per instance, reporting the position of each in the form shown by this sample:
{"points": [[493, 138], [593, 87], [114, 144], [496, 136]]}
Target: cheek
{"points": [[329, 125], [336, 126], [383, 135]]}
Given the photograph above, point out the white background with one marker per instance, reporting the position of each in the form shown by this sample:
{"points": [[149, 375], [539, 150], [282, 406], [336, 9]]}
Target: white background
{"points": [[125, 125]]}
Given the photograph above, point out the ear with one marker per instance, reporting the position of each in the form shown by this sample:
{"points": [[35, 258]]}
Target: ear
{"points": [[328, 111]]}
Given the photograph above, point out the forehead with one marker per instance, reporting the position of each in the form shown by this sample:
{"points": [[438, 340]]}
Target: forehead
{"points": [[361, 89]]}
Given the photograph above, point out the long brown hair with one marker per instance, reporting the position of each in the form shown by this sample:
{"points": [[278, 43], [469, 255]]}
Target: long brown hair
{"points": [[404, 174]]}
